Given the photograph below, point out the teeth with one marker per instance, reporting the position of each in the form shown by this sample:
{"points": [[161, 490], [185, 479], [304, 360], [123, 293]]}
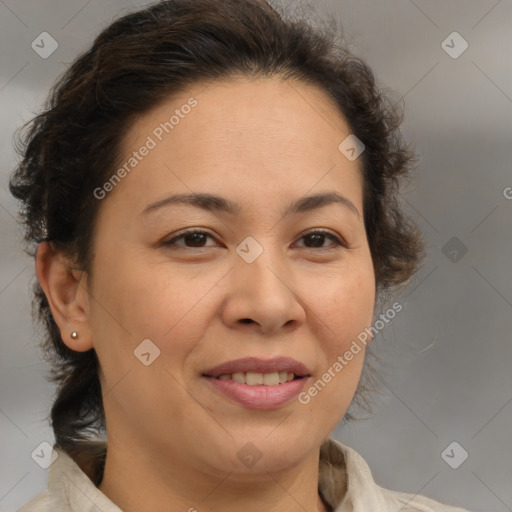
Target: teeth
{"points": [[271, 379], [257, 379], [283, 377], [253, 379]]}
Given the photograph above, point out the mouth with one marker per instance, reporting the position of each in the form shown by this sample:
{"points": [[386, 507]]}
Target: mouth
{"points": [[256, 390], [256, 383], [259, 383]]}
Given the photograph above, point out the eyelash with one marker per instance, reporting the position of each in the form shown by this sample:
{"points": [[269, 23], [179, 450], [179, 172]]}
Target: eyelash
{"points": [[172, 242]]}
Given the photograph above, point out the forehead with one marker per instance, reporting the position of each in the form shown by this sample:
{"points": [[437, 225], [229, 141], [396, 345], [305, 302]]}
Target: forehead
{"points": [[263, 109], [261, 135]]}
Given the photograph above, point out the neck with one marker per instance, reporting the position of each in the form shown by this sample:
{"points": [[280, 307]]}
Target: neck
{"points": [[136, 480]]}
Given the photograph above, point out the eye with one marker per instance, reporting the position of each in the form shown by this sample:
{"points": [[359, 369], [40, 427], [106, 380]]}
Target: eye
{"points": [[317, 238], [193, 239], [196, 239]]}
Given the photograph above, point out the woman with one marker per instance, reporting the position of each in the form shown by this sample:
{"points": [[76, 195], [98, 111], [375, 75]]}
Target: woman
{"points": [[211, 196]]}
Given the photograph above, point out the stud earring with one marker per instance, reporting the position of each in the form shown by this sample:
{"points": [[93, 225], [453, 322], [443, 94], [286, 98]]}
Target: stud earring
{"points": [[74, 335]]}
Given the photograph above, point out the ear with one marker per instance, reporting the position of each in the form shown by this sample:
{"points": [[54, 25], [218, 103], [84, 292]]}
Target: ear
{"points": [[66, 291]]}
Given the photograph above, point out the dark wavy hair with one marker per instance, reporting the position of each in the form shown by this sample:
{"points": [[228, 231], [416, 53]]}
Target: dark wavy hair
{"points": [[139, 61]]}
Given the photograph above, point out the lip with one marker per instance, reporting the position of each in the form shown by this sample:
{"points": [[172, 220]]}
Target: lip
{"points": [[257, 365], [260, 396]]}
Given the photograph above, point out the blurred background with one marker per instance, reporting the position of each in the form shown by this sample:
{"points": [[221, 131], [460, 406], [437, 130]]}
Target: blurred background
{"points": [[439, 420]]}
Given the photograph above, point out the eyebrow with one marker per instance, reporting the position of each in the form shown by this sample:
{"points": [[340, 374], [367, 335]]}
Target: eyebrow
{"points": [[214, 203]]}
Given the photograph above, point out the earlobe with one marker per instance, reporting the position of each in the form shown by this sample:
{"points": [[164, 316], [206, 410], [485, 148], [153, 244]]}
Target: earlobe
{"points": [[66, 295]]}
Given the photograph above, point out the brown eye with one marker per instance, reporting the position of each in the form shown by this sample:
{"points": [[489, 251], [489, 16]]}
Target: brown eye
{"points": [[316, 239], [191, 239]]}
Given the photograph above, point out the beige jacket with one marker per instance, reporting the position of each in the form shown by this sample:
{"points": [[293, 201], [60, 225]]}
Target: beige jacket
{"points": [[345, 484]]}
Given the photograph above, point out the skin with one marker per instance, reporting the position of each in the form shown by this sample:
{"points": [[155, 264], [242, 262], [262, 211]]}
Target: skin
{"points": [[173, 440]]}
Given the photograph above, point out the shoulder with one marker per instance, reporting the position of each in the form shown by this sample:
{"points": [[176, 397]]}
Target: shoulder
{"points": [[40, 503], [355, 489], [70, 482]]}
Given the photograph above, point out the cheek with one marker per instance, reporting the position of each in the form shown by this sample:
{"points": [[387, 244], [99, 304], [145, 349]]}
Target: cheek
{"points": [[344, 308], [136, 301], [343, 304]]}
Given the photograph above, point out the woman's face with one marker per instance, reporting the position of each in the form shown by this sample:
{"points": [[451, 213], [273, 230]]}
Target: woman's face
{"points": [[257, 284]]}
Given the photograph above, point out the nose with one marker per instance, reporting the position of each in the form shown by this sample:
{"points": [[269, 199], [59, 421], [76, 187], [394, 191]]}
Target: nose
{"points": [[262, 295]]}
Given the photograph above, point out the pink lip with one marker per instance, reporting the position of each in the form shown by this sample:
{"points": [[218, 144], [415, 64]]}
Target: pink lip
{"points": [[259, 397], [257, 365]]}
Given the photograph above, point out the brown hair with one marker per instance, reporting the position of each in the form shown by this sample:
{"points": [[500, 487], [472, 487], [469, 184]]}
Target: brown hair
{"points": [[73, 146]]}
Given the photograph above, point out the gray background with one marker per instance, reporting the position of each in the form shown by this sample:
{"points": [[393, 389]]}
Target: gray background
{"points": [[446, 357]]}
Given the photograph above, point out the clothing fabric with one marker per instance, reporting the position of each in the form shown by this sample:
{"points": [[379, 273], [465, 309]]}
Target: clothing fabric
{"points": [[345, 484]]}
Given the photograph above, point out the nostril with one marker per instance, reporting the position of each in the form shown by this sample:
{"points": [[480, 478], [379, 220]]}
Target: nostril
{"points": [[246, 320]]}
